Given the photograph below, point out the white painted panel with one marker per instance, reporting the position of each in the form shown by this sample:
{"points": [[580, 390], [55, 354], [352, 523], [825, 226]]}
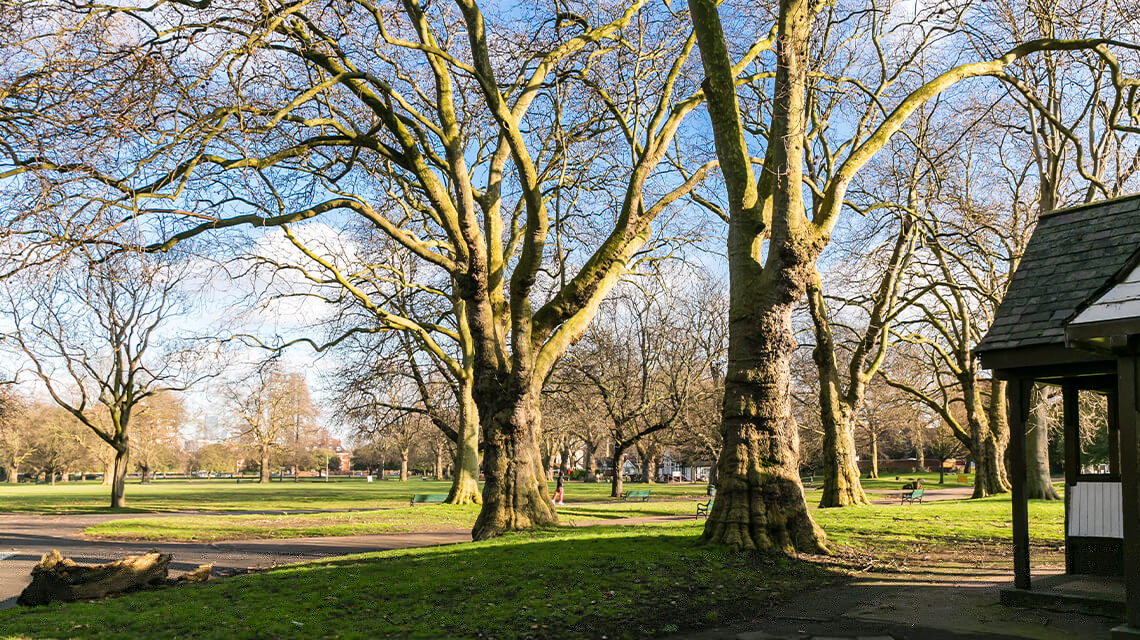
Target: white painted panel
{"points": [[1119, 302], [1096, 510]]}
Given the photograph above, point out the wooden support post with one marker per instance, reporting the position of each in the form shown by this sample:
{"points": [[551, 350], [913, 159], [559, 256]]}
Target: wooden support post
{"points": [[1071, 422], [1129, 403], [1018, 397], [1114, 432]]}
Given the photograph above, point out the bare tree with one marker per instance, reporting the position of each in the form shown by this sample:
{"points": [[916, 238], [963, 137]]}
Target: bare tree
{"points": [[943, 444], [259, 407], [91, 333], [813, 44], [642, 362], [156, 425], [455, 133], [16, 436], [58, 442]]}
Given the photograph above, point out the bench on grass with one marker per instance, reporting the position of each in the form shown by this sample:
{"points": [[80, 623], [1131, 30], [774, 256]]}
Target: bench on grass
{"points": [[427, 498], [911, 496], [703, 508], [637, 494]]}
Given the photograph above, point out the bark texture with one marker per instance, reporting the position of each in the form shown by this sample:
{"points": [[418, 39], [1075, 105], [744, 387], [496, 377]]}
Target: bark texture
{"points": [[1038, 482], [119, 477], [514, 494], [465, 477], [760, 502], [989, 435], [58, 579], [617, 482]]}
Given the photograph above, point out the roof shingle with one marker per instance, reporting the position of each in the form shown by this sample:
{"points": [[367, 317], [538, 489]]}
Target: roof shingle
{"points": [[1072, 255]]}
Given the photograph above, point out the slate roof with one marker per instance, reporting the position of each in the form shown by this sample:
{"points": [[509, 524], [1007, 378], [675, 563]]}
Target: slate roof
{"points": [[1071, 257]]}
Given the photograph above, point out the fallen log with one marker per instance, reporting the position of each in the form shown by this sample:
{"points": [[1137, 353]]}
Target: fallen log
{"points": [[57, 578], [201, 574]]}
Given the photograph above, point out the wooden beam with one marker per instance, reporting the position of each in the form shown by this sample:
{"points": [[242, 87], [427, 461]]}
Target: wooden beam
{"points": [[1127, 406], [1071, 421], [1113, 432], [1018, 397], [1040, 360]]}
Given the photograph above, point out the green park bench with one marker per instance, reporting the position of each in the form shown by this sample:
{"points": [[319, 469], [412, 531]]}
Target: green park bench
{"points": [[428, 498], [638, 494], [703, 508], [911, 496]]}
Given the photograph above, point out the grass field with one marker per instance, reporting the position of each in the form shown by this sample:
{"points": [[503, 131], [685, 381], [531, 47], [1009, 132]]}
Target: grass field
{"points": [[227, 495], [619, 581], [435, 517], [622, 582], [941, 523], [887, 481]]}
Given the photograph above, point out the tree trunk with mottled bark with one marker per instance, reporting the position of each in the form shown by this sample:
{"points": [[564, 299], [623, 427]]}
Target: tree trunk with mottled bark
{"points": [[760, 503], [591, 464], [1038, 481], [987, 423], [617, 482], [514, 494], [263, 472], [403, 465], [841, 486], [119, 482], [874, 472], [465, 477]]}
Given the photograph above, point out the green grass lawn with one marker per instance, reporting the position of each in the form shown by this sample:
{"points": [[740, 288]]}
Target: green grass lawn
{"points": [[941, 523], [887, 482], [620, 582], [433, 517], [227, 495]]}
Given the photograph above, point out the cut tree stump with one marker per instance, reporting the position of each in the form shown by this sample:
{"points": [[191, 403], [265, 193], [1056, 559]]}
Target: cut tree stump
{"points": [[57, 578]]}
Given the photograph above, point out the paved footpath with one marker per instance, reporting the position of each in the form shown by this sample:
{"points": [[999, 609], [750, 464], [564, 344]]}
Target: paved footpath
{"points": [[24, 538], [944, 602]]}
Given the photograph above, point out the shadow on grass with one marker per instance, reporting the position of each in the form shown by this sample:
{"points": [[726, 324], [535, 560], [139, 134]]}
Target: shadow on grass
{"points": [[625, 582]]}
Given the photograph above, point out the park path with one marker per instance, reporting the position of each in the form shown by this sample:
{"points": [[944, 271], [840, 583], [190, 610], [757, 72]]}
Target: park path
{"points": [[24, 538], [944, 600], [891, 496]]}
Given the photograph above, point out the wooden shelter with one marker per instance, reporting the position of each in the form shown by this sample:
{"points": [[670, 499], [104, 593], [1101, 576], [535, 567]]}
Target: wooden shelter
{"points": [[1071, 318]]}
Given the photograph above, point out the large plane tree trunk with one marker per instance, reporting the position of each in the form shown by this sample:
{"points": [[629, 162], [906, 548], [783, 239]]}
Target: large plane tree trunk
{"points": [[465, 477], [841, 486], [263, 476], [514, 494], [760, 503], [591, 463], [1038, 482], [987, 443]]}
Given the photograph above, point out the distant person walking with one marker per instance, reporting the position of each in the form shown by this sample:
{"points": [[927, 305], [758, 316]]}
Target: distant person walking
{"points": [[558, 491]]}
